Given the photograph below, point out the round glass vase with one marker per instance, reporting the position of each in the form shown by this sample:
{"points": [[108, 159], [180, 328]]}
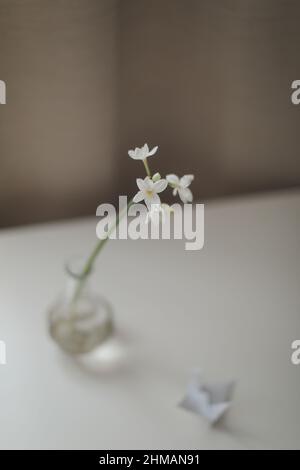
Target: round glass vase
{"points": [[79, 321]]}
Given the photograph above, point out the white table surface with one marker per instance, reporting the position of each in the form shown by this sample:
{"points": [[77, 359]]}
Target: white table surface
{"points": [[232, 309]]}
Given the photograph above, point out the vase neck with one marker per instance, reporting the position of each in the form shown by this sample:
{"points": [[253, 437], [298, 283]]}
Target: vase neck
{"points": [[74, 277]]}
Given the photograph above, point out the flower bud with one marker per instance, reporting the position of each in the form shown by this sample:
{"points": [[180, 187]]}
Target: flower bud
{"points": [[156, 177]]}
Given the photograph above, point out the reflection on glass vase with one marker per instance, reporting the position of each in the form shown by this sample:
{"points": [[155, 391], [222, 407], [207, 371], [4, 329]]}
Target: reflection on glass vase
{"points": [[79, 321]]}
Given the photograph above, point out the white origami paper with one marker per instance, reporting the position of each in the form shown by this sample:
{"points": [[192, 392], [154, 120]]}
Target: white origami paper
{"points": [[208, 400]]}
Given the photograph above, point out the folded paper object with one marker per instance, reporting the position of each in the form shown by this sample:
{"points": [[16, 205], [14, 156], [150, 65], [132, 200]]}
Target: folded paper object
{"points": [[208, 400]]}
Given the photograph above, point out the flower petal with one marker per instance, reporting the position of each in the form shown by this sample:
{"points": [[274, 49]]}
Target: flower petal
{"points": [[148, 184], [173, 179], [186, 180], [185, 195], [175, 191], [153, 200], [139, 197], [160, 185], [132, 153], [140, 184], [153, 151], [137, 153]]}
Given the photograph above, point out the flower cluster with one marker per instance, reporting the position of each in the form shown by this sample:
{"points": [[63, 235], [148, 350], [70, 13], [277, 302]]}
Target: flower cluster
{"points": [[151, 186]]}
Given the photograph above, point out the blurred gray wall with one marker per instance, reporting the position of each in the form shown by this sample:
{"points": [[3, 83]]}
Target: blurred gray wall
{"points": [[206, 80], [59, 59], [209, 80]]}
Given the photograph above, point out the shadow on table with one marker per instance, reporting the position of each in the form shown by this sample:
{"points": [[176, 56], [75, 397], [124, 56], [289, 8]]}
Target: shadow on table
{"points": [[238, 433]]}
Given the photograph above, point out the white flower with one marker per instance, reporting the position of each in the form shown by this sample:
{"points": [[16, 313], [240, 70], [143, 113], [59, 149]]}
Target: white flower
{"points": [[148, 191], [142, 153], [181, 186]]}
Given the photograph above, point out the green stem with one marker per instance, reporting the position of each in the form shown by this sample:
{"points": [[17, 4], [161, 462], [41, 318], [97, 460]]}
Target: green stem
{"points": [[98, 247], [147, 167]]}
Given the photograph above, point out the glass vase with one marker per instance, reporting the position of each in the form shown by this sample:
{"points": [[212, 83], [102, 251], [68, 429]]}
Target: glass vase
{"points": [[79, 321]]}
